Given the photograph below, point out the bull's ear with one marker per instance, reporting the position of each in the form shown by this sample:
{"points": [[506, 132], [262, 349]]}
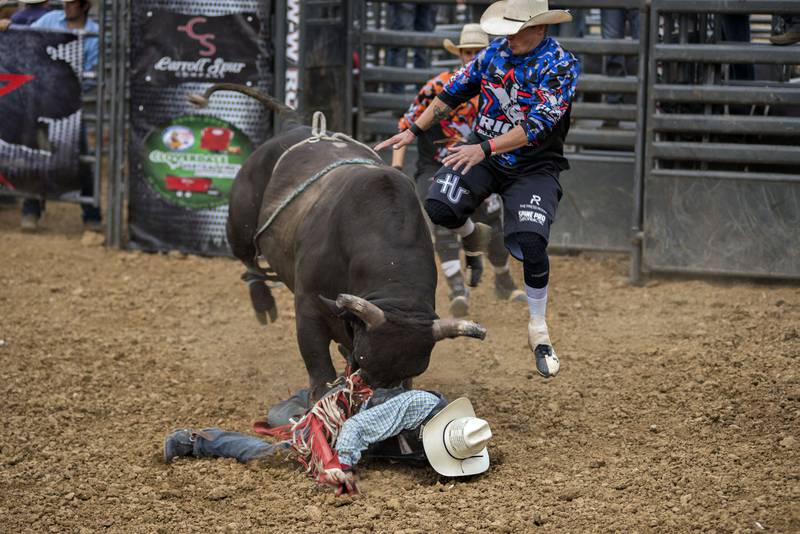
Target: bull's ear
{"points": [[334, 308]]}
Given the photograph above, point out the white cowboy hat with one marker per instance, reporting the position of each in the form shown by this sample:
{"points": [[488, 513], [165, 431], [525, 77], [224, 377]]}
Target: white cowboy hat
{"points": [[507, 17], [455, 440], [29, 2], [472, 36]]}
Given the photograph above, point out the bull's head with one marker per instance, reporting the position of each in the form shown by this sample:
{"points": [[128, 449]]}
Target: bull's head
{"points": [[391, 346]]}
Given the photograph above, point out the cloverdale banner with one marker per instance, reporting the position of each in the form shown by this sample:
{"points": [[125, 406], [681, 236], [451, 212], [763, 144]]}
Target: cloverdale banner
{"points": [[183, 160], [40, 112]]}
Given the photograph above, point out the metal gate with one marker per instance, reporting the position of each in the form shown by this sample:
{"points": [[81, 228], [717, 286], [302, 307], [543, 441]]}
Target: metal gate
{"points": [[722, 179]]}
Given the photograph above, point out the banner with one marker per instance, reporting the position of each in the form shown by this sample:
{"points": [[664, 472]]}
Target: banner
{"points": [[183, 160], [40, 111], [179, 48]]}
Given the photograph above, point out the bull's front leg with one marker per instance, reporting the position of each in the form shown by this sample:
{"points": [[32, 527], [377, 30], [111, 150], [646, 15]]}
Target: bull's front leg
{"points": [[314, 338]]}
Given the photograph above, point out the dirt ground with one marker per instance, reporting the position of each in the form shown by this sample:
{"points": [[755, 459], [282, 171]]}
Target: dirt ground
{"points": [[677, 407]]}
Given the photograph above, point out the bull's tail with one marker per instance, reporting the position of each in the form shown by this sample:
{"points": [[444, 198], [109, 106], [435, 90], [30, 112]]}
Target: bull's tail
{"points": [[272, 104]]}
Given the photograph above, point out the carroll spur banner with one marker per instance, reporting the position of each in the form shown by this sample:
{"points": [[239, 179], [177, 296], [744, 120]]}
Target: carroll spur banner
{"points": [[178, 48], [40, 111], [183, 160]]}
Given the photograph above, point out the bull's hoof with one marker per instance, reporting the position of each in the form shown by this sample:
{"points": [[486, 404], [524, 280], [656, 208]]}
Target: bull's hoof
{"points": [[266, 317]]}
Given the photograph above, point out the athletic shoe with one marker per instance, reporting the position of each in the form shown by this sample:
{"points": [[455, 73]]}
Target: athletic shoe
{"points": [[29, 223], [179, 443], [547, 363]]}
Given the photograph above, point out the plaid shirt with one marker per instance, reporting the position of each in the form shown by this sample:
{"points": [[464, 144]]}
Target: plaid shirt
{"points": [[373, 424]]}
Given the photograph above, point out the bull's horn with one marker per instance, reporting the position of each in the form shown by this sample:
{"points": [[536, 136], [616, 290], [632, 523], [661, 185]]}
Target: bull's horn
{"points": [[443, 328], [372, 315]]}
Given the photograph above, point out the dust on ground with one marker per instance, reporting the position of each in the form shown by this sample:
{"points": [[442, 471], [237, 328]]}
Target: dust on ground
{"points": [[677, 407]]}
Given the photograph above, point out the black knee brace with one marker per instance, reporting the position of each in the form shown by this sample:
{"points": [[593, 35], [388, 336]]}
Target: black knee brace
{"points": [[442, 214], [535, 262]]}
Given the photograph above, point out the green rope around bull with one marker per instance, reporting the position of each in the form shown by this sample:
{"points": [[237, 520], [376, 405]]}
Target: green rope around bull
{"points": [[305, 185]]}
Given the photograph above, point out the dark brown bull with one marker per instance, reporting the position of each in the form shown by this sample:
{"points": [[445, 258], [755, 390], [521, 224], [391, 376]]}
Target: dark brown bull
{"points": [[353, 247]]}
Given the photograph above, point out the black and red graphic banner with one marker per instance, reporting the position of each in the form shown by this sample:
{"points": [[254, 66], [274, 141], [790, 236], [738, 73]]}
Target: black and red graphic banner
{"points": [[181, 48], [40, 112]]}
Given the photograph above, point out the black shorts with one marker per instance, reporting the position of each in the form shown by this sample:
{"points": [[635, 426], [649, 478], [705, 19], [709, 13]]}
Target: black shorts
{"points": [[529, 200]]}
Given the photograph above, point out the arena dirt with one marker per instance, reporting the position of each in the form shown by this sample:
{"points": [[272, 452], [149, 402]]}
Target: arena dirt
{"points": [[677, 407]]}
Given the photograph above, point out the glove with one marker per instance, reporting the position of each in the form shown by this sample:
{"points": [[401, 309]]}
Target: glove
{"points": [[344, 480]]}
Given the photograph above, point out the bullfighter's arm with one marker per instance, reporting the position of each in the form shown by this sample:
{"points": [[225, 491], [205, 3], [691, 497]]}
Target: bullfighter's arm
{"points": [[403, 412], [550, 100], [463, 86]]}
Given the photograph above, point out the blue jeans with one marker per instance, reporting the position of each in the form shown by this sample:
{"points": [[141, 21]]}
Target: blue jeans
{"points": [[89, 213], [613, 27], [223, 444], [409, 16]]}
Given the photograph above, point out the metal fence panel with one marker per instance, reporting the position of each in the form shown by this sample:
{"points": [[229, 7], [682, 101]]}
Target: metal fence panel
{"points": [[722, 168], [595, 211], [708, 225]]}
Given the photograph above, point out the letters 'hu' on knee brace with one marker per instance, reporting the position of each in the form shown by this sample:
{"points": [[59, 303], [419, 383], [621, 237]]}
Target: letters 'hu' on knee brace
{"points": [[442, 214], [535, 262]]}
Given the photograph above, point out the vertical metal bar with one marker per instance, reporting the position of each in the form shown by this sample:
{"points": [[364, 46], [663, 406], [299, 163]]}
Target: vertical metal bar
{"points": [[99, 103], [111, 239], [349, 20], [642, 119], [301, 63], [362, 68], [280, 56]]}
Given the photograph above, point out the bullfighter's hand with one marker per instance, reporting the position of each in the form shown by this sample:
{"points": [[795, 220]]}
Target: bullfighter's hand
{"points": [[463, 157], [4, 24], [398, 141]]}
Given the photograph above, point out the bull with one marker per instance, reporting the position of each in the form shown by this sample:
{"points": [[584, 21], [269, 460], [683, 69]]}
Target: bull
{"points": [[353, 247]]}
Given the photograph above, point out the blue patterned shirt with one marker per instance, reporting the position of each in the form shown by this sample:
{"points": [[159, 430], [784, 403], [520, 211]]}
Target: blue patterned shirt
{"points": [[405, 411], [534, 90]]}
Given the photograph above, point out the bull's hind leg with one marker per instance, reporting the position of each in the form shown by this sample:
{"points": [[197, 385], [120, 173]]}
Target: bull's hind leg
{"points": [[241, 242]]}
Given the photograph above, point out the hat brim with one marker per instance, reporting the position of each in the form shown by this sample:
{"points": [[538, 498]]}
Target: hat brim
{"points": [[493, 23], [433, 442], [455, 49]]}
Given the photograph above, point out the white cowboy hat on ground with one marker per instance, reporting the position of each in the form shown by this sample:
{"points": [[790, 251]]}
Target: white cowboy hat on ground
{"points": [[507, 17], [472, 36], [455, 440]]}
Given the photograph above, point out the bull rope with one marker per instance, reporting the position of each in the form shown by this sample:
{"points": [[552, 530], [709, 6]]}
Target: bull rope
{"points": [[318, 134]]}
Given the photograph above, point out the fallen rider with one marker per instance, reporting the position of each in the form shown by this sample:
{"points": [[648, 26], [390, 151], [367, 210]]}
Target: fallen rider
{"points": [[399, 424]]}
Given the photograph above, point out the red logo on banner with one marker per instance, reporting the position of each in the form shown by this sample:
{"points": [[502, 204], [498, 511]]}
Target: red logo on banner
{"points": [[204, 38], [11, 82]]}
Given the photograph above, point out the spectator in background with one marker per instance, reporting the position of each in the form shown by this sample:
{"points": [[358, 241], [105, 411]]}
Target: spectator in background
{"points": [[34, 10], [409, 16], [737, 28], [791, 30], [612, 26], [74, 17]]}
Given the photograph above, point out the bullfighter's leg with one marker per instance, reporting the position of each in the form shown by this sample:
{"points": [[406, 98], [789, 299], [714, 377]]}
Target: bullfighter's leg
{"points": [[529, 208], [447, 249], [451, 200], [314, 338]]}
